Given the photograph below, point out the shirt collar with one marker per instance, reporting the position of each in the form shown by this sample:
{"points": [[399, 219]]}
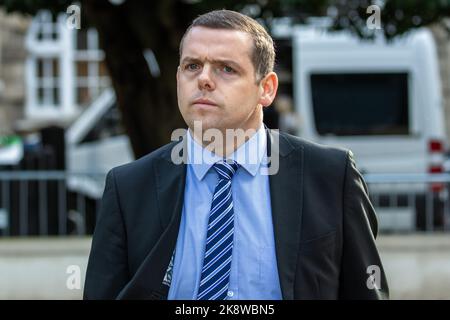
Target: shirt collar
{"points": [[249, 155]]}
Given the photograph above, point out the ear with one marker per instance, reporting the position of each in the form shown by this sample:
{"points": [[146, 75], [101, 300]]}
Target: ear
{"points": [[269, 87]]}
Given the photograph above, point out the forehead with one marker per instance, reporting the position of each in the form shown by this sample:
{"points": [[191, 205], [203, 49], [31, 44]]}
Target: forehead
{"points": [[207, 43]]}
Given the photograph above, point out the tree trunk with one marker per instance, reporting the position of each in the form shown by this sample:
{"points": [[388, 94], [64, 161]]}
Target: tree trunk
{"points": [[148, 104]]}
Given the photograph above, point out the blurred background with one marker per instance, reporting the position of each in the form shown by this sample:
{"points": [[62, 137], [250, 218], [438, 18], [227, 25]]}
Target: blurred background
{"points": [[86, 86]]}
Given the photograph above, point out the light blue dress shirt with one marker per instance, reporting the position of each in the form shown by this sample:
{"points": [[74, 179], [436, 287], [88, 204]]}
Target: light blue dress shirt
{"points": [[254, 273]]}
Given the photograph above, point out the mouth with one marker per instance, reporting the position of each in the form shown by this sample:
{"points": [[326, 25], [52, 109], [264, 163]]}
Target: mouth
{"points": [[204, 102]]}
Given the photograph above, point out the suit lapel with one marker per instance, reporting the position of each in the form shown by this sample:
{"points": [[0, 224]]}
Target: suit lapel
{"points": [[147, 283], [286, 192]]}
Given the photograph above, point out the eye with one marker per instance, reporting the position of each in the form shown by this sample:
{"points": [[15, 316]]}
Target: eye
{"points": [[192, 66], [228, 69]]}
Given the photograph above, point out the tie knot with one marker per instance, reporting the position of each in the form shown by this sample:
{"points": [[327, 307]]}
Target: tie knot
{"points": [[226, 169]]}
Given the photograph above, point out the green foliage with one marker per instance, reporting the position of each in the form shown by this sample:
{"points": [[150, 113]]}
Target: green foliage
{"points": [[32, 6], [403, 15], [397, 16]]}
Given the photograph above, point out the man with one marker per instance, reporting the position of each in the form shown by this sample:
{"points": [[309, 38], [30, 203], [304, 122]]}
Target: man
{"points": [[223, 227]]}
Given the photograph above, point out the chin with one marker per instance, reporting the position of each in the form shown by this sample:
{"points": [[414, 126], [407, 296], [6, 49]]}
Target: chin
{"points": [[206, 123]]}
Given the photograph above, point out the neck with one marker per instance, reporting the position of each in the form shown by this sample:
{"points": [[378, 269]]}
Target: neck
{"points": [[223, 142]]}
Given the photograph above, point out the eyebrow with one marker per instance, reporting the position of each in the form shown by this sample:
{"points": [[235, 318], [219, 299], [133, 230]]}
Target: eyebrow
{"points": [[215, 61]]}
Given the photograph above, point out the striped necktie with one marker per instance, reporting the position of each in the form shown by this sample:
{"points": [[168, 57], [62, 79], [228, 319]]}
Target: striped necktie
{"points": [[219, 240]]}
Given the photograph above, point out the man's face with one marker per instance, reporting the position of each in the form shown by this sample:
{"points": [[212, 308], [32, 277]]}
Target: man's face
{"points": [[216, 81]]}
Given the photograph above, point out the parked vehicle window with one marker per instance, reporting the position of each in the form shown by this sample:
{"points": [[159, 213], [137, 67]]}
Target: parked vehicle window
{"points": [[360, 103], [109, 125]]}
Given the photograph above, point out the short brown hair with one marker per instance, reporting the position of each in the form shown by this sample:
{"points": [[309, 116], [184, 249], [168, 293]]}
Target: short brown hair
{"points": [[263, 55]]}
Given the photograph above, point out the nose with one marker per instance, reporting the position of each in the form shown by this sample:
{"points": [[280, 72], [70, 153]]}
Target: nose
{"points": [[205, 82]]}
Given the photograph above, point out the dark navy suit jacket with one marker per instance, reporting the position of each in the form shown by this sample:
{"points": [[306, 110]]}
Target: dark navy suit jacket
{"points": [[324, 225]]}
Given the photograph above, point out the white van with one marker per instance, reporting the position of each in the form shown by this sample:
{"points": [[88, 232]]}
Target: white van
{"points": [[380, 99]]}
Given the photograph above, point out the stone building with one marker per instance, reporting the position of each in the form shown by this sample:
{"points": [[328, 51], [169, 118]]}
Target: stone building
{"points": [[13, 28]]}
